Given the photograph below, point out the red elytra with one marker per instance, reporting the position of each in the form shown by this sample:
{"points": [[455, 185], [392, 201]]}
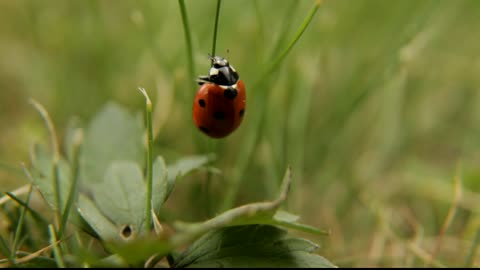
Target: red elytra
{"points": [[216, 112]]}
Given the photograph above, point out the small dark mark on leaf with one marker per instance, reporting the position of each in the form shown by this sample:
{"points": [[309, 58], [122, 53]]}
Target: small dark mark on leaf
{"points": [[126, 231]]}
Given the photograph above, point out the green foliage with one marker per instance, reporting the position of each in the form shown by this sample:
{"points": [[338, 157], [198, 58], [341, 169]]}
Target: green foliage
{"points": [[374, 108], [43, 176], [253, 213], [114, 134], [122, 194], [112, 209], [260, 246], [104, 228]]}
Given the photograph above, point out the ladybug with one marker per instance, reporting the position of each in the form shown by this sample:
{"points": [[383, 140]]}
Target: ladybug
{"points": [[219, 105]]}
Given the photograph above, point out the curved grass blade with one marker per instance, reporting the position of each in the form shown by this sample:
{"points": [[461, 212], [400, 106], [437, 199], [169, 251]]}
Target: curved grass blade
{"points": [[253, 213], [297, 36], [56, 154]]}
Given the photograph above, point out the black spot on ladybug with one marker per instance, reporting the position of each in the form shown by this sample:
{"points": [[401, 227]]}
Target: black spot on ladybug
{"points": [[204, 129], [230, 93], [242, 112], [219, 115], [202, 103]]}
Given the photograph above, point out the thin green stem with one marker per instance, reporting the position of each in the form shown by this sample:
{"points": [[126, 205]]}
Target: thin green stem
{"points": [[34, 213], [56, 250], [55, 152], [260, 40], [56, 189], [18, 231], [80, 246], [188, 39], [72, 195], [215, 28], [473, 250], [148, 207], [6, 252], [170, 260], [290, 11], [297, 36], [50, 127], [210, 142]]}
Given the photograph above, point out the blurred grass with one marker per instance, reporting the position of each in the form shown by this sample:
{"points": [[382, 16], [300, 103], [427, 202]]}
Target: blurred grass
{"points": [[374, 107]]}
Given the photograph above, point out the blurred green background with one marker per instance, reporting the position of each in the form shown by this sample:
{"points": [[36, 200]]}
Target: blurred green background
{"points": [[376, 108]]}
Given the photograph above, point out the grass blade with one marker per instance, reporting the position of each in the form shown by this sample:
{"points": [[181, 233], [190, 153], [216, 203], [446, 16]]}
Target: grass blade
{"points": [[72, 194], [56, 153], [290, 11], [297, 36], [56, 250], [50, 127], [5, 250], [457, 196], [18, 230], [19, 191], [215, 28], [188, 40], [148, 208], [34, 213], [473, 250]]}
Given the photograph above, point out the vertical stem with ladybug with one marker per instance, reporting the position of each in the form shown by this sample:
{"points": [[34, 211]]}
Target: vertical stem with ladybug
{"points": [[211, 143]]}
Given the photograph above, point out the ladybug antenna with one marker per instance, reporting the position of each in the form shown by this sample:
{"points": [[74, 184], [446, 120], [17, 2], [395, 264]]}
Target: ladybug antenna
{"points": [[211, 58]]}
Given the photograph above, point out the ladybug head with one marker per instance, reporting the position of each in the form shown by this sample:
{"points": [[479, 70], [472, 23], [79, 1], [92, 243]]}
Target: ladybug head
{"points": [[221, 72], [218, 62]]}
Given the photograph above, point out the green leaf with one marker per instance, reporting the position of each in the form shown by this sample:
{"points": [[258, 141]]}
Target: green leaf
{"points": [[140, 249], [114, 134], [285, 216], [251, 246], [162, 185], [121, 196], [188, 164], [254, 213], [94, 217], [42, 173], [42, 177], [164, 178], [93, 259]]}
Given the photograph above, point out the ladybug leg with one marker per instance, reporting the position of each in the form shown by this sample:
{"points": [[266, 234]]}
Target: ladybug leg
{"points": [[203, 79]]}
